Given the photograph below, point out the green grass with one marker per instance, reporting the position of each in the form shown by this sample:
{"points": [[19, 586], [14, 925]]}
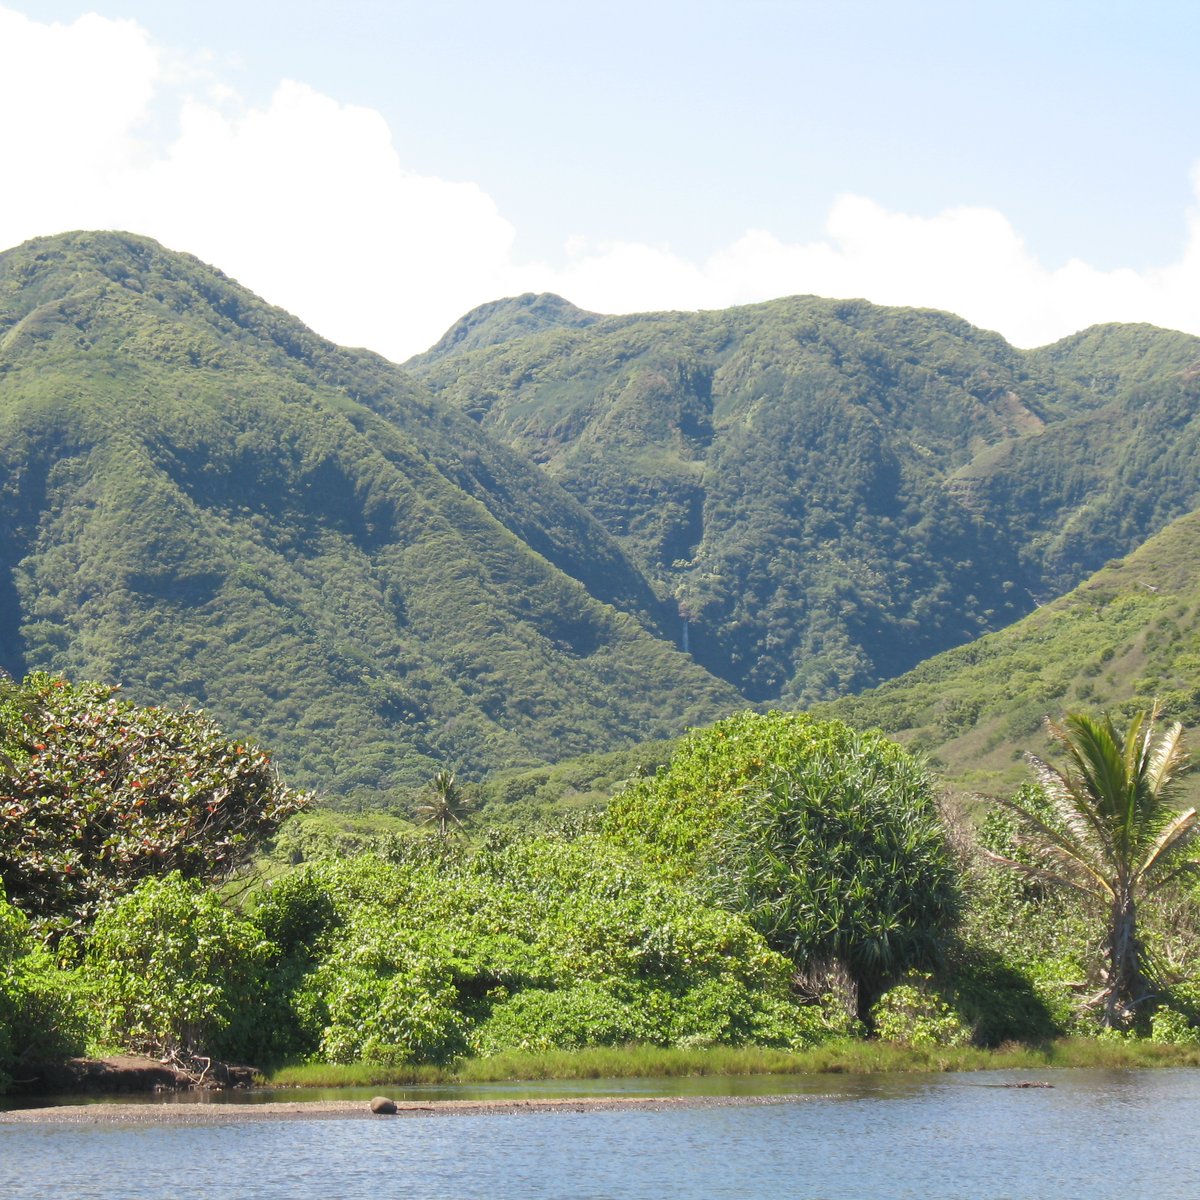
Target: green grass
{"points": [[1125, 636], [843, 1057]]}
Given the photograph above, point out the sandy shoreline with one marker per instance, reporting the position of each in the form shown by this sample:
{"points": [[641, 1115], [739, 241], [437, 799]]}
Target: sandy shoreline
{"points": [[173, 1113]]}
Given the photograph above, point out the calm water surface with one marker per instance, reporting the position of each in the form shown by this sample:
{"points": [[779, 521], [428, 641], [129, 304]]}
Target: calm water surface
{"points": [[945, 1137]]}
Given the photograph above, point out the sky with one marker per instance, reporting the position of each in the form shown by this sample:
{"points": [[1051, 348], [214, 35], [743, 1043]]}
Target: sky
{"points": [[380, 168]]}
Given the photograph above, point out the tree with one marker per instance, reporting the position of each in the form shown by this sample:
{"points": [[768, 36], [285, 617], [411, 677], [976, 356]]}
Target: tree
{"points": [[446, 806], [828, 840], [98, 794], [1109, 831]]}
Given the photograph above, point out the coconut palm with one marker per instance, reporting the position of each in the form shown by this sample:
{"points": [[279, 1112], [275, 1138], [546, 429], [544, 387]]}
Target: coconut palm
{"points": [[446, 805], [1111, 831]]}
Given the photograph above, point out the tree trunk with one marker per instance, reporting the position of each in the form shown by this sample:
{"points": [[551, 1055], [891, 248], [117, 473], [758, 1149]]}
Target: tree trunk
{"points": [[1125, 980]]}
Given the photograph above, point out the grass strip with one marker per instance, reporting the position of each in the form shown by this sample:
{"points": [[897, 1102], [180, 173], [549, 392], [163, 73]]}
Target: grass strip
{"points": [[846, 1057]]}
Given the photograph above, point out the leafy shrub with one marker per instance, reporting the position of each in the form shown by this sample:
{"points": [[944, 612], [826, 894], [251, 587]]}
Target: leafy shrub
{"points": [[827, 840], [294, 912], [1001, 1003], [170, 968], [102, 793], [1173, 1028], [381, 1007], [538, 943], [913, 1014], [568, 1018], [41, 1012]]}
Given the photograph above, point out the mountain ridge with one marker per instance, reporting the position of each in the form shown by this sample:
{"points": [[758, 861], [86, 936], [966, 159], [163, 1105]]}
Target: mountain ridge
{"points": [[204, 501], [556, 533]]}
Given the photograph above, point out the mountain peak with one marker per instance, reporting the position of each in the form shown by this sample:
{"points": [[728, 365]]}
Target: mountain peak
{"points": [[504, 321]]}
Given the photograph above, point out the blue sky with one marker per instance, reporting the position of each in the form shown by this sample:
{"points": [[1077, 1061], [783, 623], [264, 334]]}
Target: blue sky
{"points": [[378, 168]]}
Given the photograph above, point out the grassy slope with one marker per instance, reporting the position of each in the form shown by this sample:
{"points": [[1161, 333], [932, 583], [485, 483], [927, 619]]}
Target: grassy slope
{"points": [[203, 501], [1129, 633]]}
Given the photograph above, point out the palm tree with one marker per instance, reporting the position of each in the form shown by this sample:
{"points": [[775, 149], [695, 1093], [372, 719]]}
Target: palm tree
{"points": [[1111, 832], [446, 805]]}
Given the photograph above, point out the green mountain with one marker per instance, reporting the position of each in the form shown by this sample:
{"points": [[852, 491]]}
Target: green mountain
{"points": [[205, 502], [1120, 467], [825, 493], [1128, 635], [555, 533], [504, 321]]}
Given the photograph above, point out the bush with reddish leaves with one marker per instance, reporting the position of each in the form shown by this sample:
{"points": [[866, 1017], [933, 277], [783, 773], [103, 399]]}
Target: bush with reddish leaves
{"points": [[97, 793]]}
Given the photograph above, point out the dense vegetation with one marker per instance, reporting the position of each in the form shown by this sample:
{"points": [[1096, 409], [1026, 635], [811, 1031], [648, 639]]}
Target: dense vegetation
{"points": [[828, 492], [1124, 637], [204, 502], [780, 883]]}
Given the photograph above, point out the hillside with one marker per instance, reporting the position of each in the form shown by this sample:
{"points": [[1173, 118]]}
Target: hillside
{"points": [[205, 502], [824, 493], [556, 533], [1096, 484], [1130, 633]]}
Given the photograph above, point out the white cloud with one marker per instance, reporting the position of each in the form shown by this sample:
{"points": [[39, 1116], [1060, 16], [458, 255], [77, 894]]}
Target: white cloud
{"points": [[305, 201]]}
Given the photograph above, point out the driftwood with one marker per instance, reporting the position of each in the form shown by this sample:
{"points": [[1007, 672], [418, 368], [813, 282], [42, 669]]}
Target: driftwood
{"points": [[126, 1073]]}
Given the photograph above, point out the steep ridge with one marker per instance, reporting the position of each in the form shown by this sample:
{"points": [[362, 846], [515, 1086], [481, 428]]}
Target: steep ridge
{"points": [[202, 500], [1127, 635], [1094, 485], [824, 493]]}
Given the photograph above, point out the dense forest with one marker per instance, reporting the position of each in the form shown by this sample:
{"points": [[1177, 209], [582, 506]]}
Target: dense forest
{"points": [[206, 504], [555, 533], [829, 492]]}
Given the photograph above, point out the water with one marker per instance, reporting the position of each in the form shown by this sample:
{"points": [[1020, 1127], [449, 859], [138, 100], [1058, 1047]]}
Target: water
{"points": [[946, 1137]]}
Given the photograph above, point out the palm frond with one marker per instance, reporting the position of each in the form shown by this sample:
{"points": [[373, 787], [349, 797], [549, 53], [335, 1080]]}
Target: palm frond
{"points": [[1056, 840], [1168, 760], [1041, 874], [1071, 808], [1177, 832], [1095, 749]]}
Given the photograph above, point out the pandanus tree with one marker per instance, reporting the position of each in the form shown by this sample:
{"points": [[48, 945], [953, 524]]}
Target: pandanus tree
{"points": [[1110, 831], [828, 840]]}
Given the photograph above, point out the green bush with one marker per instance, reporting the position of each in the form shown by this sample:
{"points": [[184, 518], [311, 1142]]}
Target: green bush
{"points": [[170, 969], [1173, 1028], [1000, 1002], [913, 1014], [568, 1018], [42, 1014], [542, 943], [383, 1007], [101, 794], [828, 841]]}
